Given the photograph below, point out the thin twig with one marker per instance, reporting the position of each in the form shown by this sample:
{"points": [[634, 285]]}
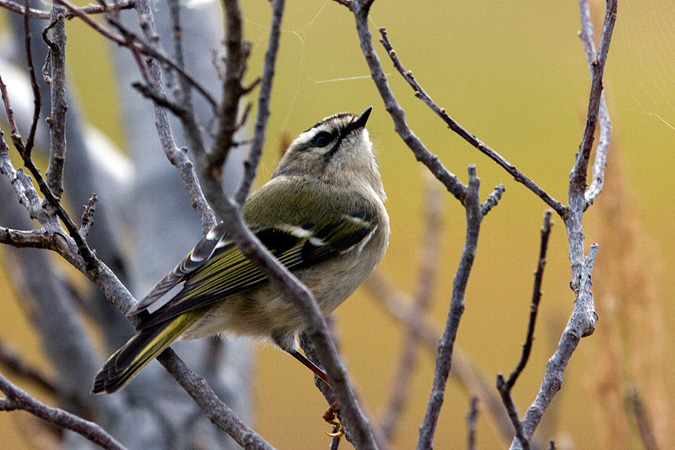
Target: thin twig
{"points": [[90, 261], [264, 97], [642, 419], [536, 298], [37, 99], [505, 386], [158, 99], [397, 304], [422, 154], [217, 411], [578, 175], [89, 9], [512, 411], [465, 134], [87, 219], [136, 44], [16, 399], [235, 67], [447, 341], [471, 419], [586, 36]]}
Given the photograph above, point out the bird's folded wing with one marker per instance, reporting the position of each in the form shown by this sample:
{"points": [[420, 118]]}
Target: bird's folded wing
{"points": [[216, 268]]}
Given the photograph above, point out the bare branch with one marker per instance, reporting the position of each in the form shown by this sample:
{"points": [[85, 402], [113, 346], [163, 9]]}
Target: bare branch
{"points": [[505, 386], [178, 157], [600, 163], [251, 165], [18, 399], [578, 175], [217, 411], [471, 419], [131, 41], [536, 298], [465, 134], [89, 9], [59, 104], [27, 194], [446, 344], [641, 419], [27, 239], [87, 219], [235, 67], [583, 318], [569, 340], [422, 154], [37, 99]]}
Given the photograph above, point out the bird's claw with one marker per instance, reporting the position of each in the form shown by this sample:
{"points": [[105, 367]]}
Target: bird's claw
{"points": [[339, 433], [330, 417]]}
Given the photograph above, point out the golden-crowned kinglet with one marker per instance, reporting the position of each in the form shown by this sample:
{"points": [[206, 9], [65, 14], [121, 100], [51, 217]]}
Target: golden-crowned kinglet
{"points": [[322, 215]]}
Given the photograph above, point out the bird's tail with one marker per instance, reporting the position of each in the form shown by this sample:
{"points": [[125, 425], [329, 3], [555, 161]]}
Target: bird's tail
{"points": [[125, 363]]}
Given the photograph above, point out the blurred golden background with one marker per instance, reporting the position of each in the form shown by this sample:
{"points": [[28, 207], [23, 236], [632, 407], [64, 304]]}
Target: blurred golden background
{"points": [[516, 76]]}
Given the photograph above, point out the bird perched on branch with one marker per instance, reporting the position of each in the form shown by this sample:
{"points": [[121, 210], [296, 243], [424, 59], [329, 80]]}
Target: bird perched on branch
{"points": [[321, 215]]}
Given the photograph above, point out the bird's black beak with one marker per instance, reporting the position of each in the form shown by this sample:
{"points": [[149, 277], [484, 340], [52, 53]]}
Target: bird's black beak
{"points": [[361, 121]]}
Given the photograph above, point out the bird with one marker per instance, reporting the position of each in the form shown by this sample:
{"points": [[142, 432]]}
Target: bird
{"points": [[321, 214]]}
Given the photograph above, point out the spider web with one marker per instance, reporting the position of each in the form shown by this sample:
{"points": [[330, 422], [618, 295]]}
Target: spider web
{"points": [[647, 51]]}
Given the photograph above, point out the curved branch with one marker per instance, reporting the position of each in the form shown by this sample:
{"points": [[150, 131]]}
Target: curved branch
{"points": [[18, 399]]}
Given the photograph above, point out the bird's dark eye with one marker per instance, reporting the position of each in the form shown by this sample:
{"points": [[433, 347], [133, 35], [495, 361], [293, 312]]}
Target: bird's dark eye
{"points": [[322, 139]]}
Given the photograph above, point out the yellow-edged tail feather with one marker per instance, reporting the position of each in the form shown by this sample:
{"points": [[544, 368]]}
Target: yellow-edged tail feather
{"points": [[139, 351]]}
